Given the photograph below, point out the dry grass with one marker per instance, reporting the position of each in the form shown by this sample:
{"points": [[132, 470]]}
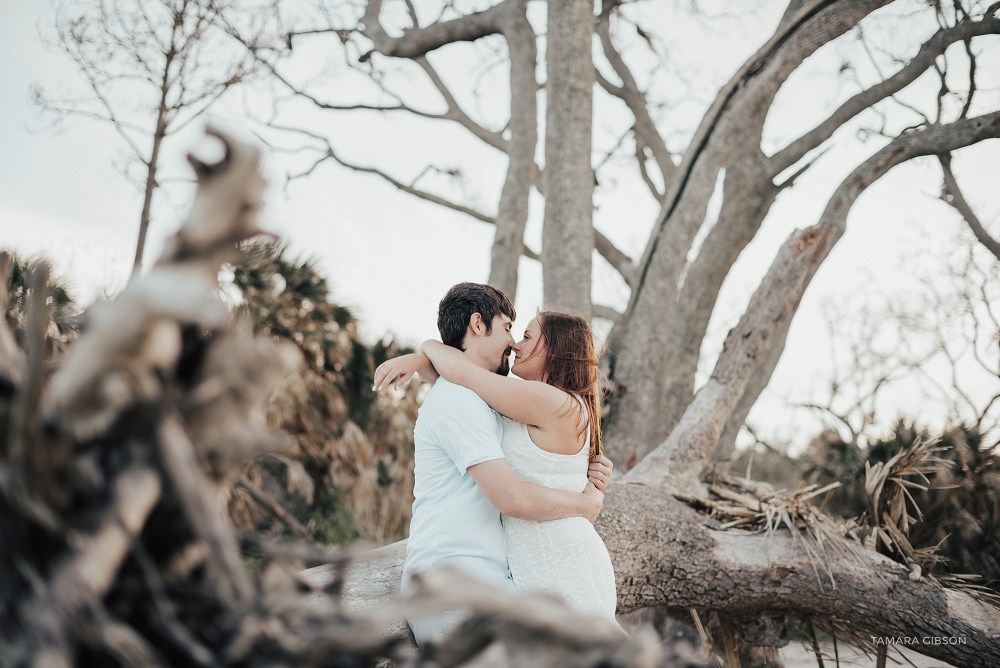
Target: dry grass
{"points": [[891, 514], [757, 507]]}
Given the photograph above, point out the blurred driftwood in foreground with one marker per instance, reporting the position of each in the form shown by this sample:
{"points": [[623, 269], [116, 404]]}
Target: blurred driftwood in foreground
{"points": [[115, 546]]}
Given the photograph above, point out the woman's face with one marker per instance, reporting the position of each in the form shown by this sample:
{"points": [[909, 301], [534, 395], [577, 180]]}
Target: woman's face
{"points": [[529, 353]]}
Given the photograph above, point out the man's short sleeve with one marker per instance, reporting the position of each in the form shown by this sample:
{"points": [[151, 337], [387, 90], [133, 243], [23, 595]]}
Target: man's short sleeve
{"points": [[467, 429]]}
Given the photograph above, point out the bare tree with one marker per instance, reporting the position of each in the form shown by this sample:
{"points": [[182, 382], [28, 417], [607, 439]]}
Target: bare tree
{"points": [[656, 342], [661, 430], [111, 472], [148, 69], [667, 555]]}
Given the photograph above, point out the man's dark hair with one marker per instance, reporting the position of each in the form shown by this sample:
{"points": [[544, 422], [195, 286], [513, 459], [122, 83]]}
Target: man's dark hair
{"points": [[464, 299]]}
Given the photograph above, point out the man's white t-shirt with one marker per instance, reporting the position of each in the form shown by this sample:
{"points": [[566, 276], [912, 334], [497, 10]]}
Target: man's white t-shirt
{"points": [[453, 521]]}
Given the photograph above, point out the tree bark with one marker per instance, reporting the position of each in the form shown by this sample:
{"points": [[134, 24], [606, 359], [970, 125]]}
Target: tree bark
{"points": [[568, 233], [746, 200], [726, 445]]}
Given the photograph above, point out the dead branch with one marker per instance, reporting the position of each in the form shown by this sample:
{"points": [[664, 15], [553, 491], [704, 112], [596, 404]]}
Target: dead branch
{"points": [[273, 507], [951, 194], [915, 67], [645, 129]]}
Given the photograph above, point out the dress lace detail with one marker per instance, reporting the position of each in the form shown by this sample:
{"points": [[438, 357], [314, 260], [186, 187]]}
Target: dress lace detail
{"points": [[563, 557]]}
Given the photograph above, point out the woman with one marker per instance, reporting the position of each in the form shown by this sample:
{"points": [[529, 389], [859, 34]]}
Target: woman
{"points": [[552, 432]]}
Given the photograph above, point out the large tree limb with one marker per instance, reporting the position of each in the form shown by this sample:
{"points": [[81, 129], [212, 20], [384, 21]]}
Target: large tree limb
{"points": [[685, 455], [916, 66], [786, 30], [726, 139], [748, 195]]}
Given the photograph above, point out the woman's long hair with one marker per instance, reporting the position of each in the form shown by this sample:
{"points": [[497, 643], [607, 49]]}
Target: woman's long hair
{"points": [[572, 364]]}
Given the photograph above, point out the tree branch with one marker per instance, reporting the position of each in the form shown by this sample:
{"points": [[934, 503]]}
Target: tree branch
{"points": [[275, 508], [416, 192], [629, 92], [640, 157], [420, 41], [925, 57], [805, 18], [951, 194], [606, 312], [622, 263], [455, 112]]}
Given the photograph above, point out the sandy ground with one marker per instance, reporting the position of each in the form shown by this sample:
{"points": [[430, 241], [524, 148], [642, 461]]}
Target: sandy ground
{"points": [[798, 655]]}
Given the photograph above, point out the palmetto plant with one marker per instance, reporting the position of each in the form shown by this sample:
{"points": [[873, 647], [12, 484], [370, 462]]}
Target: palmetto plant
{"points": [[349, 474], [62, 309], [949, 501]]}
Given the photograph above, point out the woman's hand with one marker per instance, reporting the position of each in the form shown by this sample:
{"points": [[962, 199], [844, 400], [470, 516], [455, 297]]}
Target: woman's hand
{"points": [[599, 472], [595, 501], [399, 370]]}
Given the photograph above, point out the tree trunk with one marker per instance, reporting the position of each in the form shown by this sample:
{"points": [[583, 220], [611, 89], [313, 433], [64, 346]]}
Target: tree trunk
{"points": [[512, 214], [568, 233], [726, 445], [158, 135], [746, 200], [147, 202], [729, 138]]}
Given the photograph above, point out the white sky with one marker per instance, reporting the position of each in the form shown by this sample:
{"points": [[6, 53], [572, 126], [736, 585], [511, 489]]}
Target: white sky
{"points": [[391, 257]]}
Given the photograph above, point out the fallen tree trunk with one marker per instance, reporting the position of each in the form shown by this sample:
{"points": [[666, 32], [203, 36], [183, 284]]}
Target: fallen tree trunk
{"points": [[668, 555]]}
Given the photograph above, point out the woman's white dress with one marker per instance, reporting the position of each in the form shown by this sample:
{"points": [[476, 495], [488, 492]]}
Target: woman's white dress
{"points": [[563, 557]]}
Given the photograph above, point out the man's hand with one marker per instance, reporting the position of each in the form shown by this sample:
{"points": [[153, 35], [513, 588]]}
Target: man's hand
{"points": [[599, 472], [595, 499]]}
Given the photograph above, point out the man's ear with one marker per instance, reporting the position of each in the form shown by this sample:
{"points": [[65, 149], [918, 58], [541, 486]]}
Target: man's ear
{"points": [[476, 324]]}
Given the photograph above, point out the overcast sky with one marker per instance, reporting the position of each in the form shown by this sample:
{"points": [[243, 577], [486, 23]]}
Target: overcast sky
{"points": [[392, 257]]}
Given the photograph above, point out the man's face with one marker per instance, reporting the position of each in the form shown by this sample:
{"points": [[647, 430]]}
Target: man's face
{"points": [[498, 343]]}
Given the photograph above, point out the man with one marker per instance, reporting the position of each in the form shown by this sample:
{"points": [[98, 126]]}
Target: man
{"points": [[462, 480]]}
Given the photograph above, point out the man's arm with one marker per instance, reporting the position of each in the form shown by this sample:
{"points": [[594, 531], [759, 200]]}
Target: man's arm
{"points": [[529, 501]]}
